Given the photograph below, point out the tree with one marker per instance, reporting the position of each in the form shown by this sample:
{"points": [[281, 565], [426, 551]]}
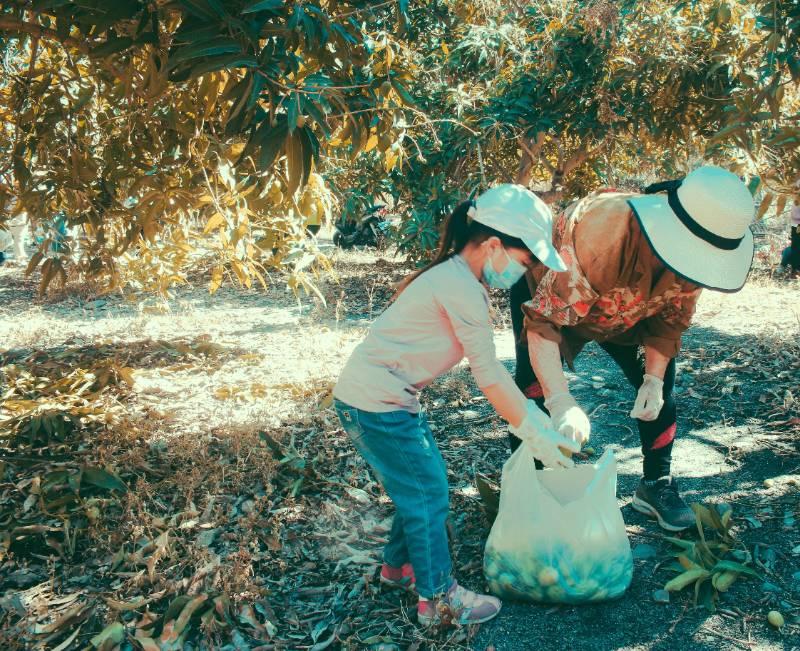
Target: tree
{"points": [[569, 96], [151, 121]]}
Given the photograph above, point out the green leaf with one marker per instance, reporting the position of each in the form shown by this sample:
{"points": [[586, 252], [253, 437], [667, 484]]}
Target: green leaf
{"points": [[310, 152], [702, 515], [201, 8], [731, 566], [293, 111], [408, 100], [294, 163], [318, 114], [271, 141], [103, 479], [679, 542], [46, 5], [189, 36], [112, 46], [114, 633], [722, 581], [175, 607], [215, 46], [262, 5], [706, 596], [225, 62], [682, 580]]}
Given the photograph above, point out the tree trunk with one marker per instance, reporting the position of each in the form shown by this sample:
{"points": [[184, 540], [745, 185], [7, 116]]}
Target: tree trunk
{"points": [[531, 150]]}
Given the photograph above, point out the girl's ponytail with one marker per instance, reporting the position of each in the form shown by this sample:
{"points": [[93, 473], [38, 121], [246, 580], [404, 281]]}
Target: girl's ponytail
{"points": [[455, 235]]}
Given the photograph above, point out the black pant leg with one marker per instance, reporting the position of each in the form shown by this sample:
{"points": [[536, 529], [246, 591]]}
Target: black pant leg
{"points": [[794, 251], [656, 436], [524, 376], [523, 371]]}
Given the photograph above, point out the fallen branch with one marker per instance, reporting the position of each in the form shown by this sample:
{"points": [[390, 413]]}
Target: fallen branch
{"points": [[742, 643]]}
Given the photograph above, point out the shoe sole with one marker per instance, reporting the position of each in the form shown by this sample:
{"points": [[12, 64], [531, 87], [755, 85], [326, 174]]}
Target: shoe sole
{"points": [[643, 507], [432, 622]]}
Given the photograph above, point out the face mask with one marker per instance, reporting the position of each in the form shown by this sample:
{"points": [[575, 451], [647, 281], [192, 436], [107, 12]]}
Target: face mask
{"points": [[504, 279]]}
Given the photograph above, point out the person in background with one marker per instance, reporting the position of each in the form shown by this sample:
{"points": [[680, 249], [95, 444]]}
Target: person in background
{"points": [[790, 259], [636, 264], [15, 231], [439, 316]]}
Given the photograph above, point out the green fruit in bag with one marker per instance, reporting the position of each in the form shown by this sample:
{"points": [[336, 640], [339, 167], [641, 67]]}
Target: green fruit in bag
{"points": [[547, 576], [587, 587], [506, 579], [600, 595], [534, 594], [564, 567]]}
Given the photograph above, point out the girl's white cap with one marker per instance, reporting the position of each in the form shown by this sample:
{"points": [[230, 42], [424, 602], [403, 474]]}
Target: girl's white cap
{"points": [[516, 211]]}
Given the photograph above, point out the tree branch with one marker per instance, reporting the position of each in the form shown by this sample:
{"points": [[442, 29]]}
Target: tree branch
{"points": [[8, 24], [530, 156], [583, 154]]}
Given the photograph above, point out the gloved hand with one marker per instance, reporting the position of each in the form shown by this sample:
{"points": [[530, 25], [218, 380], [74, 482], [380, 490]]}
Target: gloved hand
{"points": [[568, 418], [543, 440], [649, 400]]}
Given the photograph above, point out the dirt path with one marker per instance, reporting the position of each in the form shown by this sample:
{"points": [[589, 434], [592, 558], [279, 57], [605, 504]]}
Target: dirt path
{"points": [[737, 391]]}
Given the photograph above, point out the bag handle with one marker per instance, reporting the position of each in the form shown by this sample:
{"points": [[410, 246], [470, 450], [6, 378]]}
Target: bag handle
{"points": [[517, 473], [606, 465]]}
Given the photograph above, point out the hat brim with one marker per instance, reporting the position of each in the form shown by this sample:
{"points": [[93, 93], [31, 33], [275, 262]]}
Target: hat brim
{"points": [[687, 255], [545, 252]]}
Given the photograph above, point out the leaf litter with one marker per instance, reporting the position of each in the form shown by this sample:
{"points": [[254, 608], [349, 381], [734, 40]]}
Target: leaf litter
{"points": [[237, 538]]}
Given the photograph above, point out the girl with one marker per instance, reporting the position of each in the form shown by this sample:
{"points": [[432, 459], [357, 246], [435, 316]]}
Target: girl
{"points": [[440, 315]]}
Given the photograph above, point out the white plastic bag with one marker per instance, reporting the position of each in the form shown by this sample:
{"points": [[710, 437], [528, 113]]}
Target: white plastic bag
{"points": [[559, 536]]}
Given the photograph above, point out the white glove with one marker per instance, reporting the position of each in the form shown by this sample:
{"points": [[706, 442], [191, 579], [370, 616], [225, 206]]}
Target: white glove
{"points": [[543, 440], [569, 419], [649, 400]]}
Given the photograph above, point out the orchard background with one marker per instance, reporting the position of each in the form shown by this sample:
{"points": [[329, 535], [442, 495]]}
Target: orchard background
{"points": [[171, 474]]}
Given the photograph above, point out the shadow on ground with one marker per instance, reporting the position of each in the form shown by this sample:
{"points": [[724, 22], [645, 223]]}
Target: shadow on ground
{"points": [[735, 432]]}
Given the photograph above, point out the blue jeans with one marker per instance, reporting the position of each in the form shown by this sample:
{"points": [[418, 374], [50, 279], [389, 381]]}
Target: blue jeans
{"points": [[400, 449]]}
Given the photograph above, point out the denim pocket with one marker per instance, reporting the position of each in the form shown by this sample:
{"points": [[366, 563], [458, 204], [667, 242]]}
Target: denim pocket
{"points": [[349, 419]]}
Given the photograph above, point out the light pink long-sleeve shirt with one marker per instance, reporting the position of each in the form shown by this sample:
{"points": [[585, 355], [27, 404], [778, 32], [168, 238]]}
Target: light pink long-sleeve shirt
{"points": [[440, 318]]}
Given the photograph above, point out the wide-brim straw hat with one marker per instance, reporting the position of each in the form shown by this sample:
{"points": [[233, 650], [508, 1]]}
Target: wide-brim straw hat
{"points": [[699, 227]]}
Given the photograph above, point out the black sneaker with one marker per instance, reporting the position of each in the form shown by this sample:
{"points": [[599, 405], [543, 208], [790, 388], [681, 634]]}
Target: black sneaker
{"points": [[662, 501]]}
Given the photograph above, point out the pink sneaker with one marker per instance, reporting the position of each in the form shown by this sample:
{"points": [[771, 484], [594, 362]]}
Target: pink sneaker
{"points": [[399, 577], [458, 606]]}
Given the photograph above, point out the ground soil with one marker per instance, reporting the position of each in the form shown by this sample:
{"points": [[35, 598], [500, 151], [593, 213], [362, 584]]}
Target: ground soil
{"points": [[737, 392]]}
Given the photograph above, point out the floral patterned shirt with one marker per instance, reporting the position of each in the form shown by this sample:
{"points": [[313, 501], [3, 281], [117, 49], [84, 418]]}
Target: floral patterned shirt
{"points": [[615, 288]]}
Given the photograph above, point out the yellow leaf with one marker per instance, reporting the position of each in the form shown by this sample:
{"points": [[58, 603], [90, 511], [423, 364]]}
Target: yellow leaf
{"points": [[215, 221], [682, 580], [390, 159], [765, 204], [724, 580], [780, 206], [372, 142], [239, 270], [216, 279], [126, 373]]}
